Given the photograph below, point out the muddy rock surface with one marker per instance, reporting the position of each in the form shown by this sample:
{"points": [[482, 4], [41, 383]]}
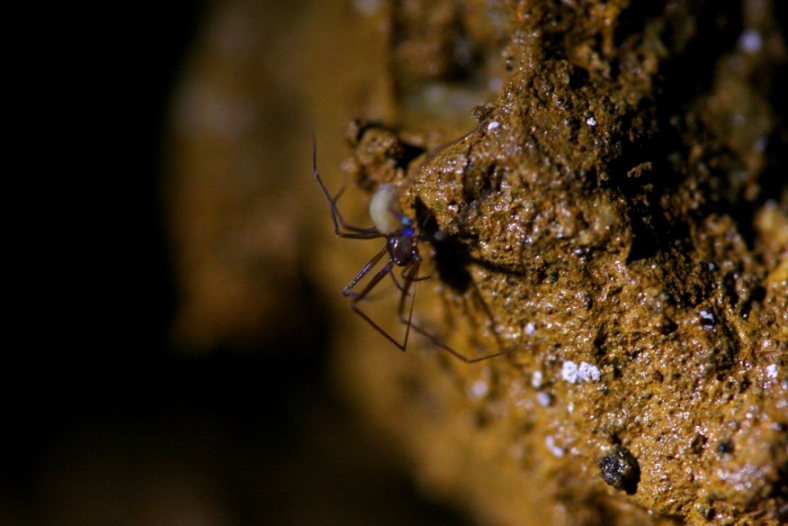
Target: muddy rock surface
{"points": [[612, 220], [599, 190]]}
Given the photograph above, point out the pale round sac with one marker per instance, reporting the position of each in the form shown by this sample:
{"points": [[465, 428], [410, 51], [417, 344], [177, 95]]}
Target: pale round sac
{"points": [[385, 212]]}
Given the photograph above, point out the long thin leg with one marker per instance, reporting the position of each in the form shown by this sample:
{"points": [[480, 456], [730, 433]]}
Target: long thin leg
{"points": [[407, 270], [409, 276], [361, 295], [396, 283], [364, 271], [434, 153], [405, 278], [434, 339], [479, 300], [418, 278], [352, 232]]}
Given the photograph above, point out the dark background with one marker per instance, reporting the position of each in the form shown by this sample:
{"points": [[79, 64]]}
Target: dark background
{"points": [[101, 413]]}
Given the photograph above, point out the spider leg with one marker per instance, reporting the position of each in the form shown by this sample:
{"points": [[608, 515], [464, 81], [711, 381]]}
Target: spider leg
{"points": [[409, 277], [416, 278], [396, 283], [486, 308], [364, 271], [351, 232], [405, 278], [412, 279], [437, 342], [361, 295]]}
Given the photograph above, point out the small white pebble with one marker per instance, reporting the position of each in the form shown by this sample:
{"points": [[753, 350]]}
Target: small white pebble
{"points": [[588, 372], [543, 398], [530, 329], [707, 317], [493, 125], [591, 121], [549, 441], [771, 371], [536, 379], [479, 389], [569, 372], [750, 41]]}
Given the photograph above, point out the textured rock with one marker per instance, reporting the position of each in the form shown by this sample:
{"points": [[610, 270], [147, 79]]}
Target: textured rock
{"points": [[617, 218], [598, 223]]}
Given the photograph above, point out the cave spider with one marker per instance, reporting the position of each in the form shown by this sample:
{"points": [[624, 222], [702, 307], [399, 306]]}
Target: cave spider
{"points": [[402, 249]]}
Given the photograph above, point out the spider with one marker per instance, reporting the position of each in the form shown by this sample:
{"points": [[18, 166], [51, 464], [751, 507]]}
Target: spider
{"points": [[402, 250]]}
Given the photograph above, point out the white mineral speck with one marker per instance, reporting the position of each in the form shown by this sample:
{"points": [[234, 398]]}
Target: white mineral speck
{"points": [[530, 329], [493, 125], [549, 441], [771, 371], [543, 398], [536, 379], [569, 372], [707, 316], [588, 372], [750, 41], [591, 121], [479, 389]]}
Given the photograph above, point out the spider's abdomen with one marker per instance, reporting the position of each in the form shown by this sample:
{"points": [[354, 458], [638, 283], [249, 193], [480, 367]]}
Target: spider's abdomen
{"points": [[385, 212]]}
